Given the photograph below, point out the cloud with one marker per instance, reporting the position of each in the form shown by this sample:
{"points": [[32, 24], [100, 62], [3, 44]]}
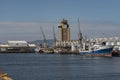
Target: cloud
{"points": [[24, 30], [31, 30], [96, 29]]}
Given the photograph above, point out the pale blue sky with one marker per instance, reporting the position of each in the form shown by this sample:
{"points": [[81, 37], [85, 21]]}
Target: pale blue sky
{"points": [[21, 19]]}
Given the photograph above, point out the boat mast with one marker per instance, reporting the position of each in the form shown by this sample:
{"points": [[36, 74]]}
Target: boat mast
{"points": [[44, 38]]}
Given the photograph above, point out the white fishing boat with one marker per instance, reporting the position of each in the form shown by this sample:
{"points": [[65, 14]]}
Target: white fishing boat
{"points": [[97, 50]]}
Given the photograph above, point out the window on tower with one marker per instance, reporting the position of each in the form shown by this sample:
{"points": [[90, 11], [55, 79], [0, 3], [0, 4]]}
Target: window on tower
{"points": [[59, 26]]}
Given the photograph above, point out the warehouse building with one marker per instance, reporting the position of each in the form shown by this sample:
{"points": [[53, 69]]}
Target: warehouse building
{"points": [[17, 47]]}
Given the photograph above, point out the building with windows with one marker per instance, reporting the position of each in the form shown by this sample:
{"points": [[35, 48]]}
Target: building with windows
{"points": [[64, 31], [64, 35]]}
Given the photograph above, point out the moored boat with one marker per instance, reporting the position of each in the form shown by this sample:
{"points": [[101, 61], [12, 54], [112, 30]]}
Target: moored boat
{"points": [[97, 50]]}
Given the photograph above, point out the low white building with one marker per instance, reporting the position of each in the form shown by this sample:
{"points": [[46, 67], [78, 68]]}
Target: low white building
{"points": [[112, 41], [17, 43], [17, 47], [67, 43]]}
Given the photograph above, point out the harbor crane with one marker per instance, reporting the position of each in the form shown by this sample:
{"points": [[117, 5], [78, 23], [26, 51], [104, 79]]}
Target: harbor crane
{"points": [[44, 38], [54, 35], [80, 34]]}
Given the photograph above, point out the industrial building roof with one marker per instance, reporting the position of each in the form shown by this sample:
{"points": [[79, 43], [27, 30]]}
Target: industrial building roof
{"points": [[25, 42], [32, 45], [4, 45]]}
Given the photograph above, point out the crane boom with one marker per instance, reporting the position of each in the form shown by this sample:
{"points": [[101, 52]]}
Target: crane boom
{"points": [[44, 38], [54, 35], [79, 34]]}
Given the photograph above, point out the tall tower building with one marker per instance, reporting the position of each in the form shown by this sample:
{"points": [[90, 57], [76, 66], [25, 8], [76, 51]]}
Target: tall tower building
{"points": [[64, 35], [64, 31]]}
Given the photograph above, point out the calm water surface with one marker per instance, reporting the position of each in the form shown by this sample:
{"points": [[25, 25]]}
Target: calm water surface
{"points": [[59, 67]]}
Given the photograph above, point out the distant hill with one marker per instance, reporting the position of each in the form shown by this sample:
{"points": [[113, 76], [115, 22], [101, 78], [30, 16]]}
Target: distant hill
{"points": [[50, 42]]}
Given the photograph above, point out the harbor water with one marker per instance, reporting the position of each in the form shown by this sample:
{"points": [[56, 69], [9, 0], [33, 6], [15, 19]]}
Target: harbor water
{"points": [[59, 67]]}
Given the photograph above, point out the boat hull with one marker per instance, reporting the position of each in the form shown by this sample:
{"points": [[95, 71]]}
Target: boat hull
{"points": [[98, 52]]}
